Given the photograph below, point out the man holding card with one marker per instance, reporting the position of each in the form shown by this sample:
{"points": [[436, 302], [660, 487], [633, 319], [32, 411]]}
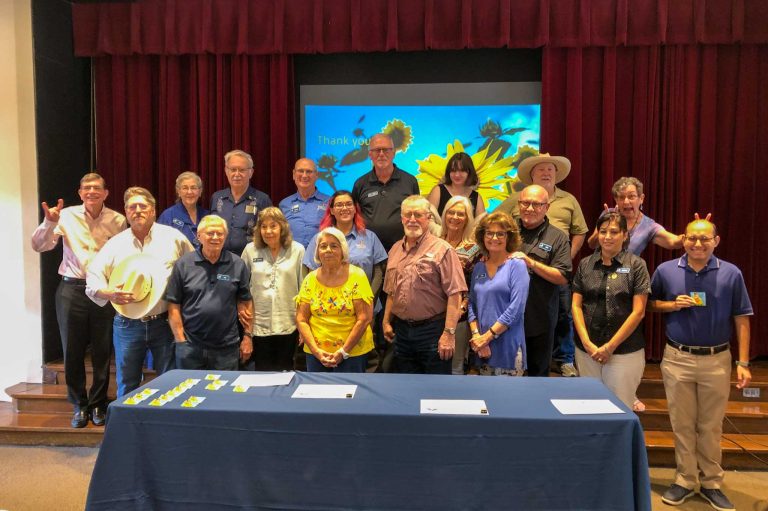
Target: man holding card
{"points": [[208, 289], [706, 302]]}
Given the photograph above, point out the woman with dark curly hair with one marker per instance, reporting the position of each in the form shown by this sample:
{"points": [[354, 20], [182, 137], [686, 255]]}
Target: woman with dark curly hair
{"points": [[497, 298]]}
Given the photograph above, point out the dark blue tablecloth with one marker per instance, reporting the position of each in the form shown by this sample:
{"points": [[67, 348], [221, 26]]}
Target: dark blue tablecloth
{"points": [[263, 450]]}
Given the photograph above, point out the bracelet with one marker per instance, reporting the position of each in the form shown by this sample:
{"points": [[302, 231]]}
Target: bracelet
{"points": [[742, 364], [494, 334]]}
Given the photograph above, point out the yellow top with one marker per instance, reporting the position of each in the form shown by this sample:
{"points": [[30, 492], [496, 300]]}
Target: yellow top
{"points": [[333, 311]]}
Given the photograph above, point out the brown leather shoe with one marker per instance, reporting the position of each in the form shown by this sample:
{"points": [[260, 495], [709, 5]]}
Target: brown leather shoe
{"points": [[80, 418]]}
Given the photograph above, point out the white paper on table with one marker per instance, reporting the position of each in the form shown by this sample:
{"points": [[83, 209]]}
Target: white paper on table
{"points": [[263, 380], [454, 406], [310, 391], [585, 406]]}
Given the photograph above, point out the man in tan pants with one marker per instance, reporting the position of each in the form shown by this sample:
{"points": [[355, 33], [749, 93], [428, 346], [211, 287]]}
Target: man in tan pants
{"points": [[706, 303]]}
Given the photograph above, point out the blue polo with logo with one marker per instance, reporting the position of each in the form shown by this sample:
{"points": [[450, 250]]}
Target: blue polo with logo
{"points": [[208, 294], [304, 215], [177, 217], [720, 289], [241, 216]]}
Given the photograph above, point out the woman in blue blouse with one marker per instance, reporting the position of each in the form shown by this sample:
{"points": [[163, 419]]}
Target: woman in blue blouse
{"points": [[186, 213], [497, 298]]}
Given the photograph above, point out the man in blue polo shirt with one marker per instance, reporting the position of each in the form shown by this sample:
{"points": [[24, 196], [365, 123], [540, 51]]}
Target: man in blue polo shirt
{"points": [[208, 289], [239, 204], [305, 208], [704, 298]]}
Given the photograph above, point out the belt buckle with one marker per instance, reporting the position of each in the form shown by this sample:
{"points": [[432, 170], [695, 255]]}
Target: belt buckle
{"points": [[147, 319]]}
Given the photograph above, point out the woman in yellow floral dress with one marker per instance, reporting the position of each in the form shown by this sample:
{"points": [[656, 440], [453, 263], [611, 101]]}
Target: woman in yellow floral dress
{"points": [[334, 309]]}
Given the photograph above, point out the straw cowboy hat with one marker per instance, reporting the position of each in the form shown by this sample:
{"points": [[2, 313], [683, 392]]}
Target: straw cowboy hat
{"points": [[143, 276], [561, 163]]}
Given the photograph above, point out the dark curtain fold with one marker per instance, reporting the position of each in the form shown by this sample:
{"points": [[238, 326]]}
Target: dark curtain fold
{"points": [[685, 120], [251, 27], [160, 115]]}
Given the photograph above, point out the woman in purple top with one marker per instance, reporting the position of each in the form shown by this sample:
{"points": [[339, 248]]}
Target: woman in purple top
{"points": [[497, 298], [629, 197]]}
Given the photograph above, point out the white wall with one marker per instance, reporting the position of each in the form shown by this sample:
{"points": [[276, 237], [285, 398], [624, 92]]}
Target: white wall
{"points": [[20, 323]]}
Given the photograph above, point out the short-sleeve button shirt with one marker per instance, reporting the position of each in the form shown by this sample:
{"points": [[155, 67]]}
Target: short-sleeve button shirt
{"points": [[241, 216]]}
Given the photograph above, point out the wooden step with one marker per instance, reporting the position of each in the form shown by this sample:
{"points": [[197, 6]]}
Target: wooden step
{"points": [[53, 373], [40, 398], [661, 450], [44, 429], [740, 417]]}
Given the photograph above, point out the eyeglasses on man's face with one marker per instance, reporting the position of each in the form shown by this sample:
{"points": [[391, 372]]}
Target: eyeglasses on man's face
{"points": [[525, 204]]}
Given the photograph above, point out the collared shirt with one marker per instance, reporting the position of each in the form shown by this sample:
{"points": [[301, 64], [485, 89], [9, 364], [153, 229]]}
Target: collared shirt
{"points": [[178, 217], [719, 287], [380, 203], [275, 284], [208, 294], [607, 295], [564, 211], [419, 280], [83, 237], [549, 246], [304, 215], [164, 243], [241, 216]]}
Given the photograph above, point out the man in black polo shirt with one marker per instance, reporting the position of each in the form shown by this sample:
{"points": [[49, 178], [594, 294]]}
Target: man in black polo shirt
{"points": [[547, 253], [380, 191], [208, 289]]}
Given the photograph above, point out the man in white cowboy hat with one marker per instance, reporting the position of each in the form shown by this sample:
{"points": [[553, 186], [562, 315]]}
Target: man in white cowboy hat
{"points": [[131, 271], [207, 291], [564, 213], [83, 229]]}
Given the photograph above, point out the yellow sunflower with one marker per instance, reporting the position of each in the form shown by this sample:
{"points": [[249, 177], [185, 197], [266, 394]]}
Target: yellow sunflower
{"points": [[400, 133], [492, 174]]}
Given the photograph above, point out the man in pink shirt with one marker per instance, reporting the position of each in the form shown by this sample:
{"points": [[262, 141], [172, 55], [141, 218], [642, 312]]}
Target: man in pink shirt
{"points": [[424, 282], [84, 229]]}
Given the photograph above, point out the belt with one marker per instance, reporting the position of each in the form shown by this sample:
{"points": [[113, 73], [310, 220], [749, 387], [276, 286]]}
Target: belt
{"points": [[420, 322], [73, 281], [699, 350], [147, 319]]}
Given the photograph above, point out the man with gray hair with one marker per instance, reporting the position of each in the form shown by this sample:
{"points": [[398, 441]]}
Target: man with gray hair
{"points": [[208, 289], [239, 204], [83, 229], [131, 271], [424, 282]]}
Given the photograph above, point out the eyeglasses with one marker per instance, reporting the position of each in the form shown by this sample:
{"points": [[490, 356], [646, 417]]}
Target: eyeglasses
{"points": [[213, 234], [495, 234], [189, 188], [418, 215], [304, 172], [620, 198], [524, 204], [344, 205], [703, 239], [236, 170], [88, 188], [138, 206], [381, 150]]}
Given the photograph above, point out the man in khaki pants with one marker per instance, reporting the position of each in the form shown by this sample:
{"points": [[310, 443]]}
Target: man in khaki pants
{"points": [[706, 303]]}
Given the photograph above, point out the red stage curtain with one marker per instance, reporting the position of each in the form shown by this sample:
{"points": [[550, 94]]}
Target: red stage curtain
{"points": [[158, 116], [173, 27], [686, 121]]}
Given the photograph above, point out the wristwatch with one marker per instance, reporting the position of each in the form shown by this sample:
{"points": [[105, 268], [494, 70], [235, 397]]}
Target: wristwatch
{"points": [[742, 364], [344, 354], [451, 331]]}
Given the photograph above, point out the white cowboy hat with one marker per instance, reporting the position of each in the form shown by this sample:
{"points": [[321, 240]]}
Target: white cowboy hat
{"points": [[561, 163], [143, 276]]}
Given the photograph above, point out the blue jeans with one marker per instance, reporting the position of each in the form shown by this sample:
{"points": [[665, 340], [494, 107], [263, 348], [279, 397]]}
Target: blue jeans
{"points": [[131, 338], [416, 348], [351, 365], [193, 356], [564, 347]]}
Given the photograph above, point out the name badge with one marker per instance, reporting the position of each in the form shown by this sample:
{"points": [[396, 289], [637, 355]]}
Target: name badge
{"points": [[219, 204], [545, 247], [258, 259], [372, 194], [322, 207], [295, 208], [482, 276], [223, 277], [360, 244], [250, 209], [178, 222], [622, 270]]}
